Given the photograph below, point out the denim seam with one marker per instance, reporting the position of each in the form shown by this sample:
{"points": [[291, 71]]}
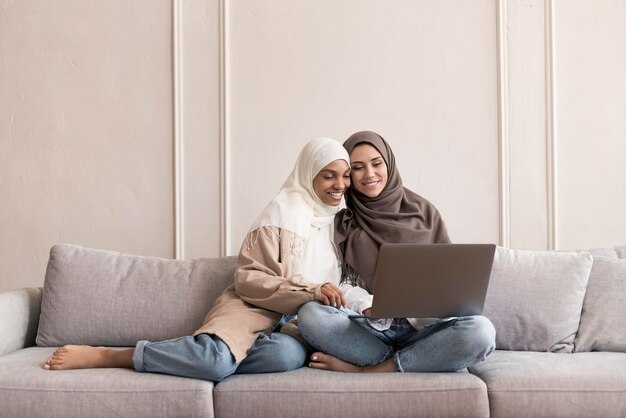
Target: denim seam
{"points": [[396, 360]]}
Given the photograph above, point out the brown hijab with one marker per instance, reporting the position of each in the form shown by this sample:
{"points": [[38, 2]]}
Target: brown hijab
{"points": [[396, 215]]}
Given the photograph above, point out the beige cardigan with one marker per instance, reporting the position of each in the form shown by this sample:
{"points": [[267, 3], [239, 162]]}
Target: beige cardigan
{"points": [[264, 289]]}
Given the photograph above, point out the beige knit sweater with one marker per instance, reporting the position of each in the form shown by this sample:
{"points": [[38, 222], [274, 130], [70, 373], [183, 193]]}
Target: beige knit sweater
{"points": [[264, 289]]}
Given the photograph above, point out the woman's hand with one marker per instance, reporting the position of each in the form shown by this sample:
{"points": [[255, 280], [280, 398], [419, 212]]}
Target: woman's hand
{"points": [[332, 296]]}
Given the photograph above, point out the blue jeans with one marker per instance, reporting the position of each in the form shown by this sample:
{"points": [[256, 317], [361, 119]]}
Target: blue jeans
{"points": [[208, 357], [447, 345]]}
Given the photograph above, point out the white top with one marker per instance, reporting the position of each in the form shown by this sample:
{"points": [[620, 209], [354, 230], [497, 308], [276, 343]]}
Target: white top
{"points": [[358, 300], [322, 266]]}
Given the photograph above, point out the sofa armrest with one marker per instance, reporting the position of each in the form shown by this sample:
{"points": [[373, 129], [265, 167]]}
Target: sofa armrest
{"points": [[19, 318]]}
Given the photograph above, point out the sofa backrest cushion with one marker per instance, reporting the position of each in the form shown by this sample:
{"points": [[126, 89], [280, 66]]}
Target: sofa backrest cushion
{"points": [[19, 316], [108, 298], [618, 251], [604, 309], [535, 298]]}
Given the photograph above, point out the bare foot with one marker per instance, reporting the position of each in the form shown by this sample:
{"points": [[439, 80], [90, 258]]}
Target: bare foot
{"points": [[87, 357], [327, 362]]}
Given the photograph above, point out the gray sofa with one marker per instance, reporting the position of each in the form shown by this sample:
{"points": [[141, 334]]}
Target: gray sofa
{"points": [[559, 318]]}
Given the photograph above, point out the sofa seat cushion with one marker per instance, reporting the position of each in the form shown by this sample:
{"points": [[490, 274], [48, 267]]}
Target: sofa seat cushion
{"points": [[27, 390], [533, 384], [314, 393]]}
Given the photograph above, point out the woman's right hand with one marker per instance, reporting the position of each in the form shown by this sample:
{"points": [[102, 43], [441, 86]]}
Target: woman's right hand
{"points": [[332, 296]]}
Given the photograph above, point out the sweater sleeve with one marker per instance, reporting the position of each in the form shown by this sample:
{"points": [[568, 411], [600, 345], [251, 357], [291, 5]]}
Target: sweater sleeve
{"points": [[261, 276], [357, 298]]}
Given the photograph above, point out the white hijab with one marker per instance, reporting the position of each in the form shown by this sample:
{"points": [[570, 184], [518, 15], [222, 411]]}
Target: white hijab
{"points": [[297, 207]]}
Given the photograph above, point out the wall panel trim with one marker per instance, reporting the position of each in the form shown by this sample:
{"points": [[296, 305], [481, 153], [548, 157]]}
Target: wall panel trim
{"points": [[224, 68], [504, 176], [551, 143], [177, 92]]}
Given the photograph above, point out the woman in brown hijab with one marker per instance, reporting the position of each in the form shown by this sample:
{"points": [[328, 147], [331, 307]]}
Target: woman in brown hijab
{"points": [[381, 210]]}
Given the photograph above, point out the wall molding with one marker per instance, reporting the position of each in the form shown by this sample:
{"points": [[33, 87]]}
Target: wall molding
{"points": [[503, 117], [504, 165], [551, 144], [224, 128], [177, 93]]}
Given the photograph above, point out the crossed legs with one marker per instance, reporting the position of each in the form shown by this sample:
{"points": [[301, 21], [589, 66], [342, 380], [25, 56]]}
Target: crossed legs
{"points": [[346, 344]]}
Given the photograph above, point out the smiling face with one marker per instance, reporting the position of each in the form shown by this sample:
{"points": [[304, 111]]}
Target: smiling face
{"points": [[369, 170], [332, 181]]}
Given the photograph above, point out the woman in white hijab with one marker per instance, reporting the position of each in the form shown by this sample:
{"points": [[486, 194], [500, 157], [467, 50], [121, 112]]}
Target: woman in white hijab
{"points": [[287, 259]]}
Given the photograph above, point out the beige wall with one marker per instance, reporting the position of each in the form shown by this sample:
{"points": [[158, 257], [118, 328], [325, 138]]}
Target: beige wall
{"points": [[86, 131], [163, 127], [423, 75]]}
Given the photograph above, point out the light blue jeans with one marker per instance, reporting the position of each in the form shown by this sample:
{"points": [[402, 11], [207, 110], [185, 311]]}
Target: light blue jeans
{"points": [[445, 346], [207, 357]]}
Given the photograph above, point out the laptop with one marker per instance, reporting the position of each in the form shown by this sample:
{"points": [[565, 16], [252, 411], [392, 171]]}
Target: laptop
{"points": [[431, 280]]}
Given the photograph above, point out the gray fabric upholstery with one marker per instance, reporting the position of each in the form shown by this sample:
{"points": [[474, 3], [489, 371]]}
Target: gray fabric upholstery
{"points": [[604, 309], [19, 318], [553, 385], [313, 393], [27, 390], [106, 298], [535, 298], [617, 251], [604, 252]]}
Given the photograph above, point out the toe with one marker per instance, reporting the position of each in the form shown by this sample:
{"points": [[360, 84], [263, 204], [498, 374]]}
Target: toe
{"points": [[58, 351], [54, 360]]}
